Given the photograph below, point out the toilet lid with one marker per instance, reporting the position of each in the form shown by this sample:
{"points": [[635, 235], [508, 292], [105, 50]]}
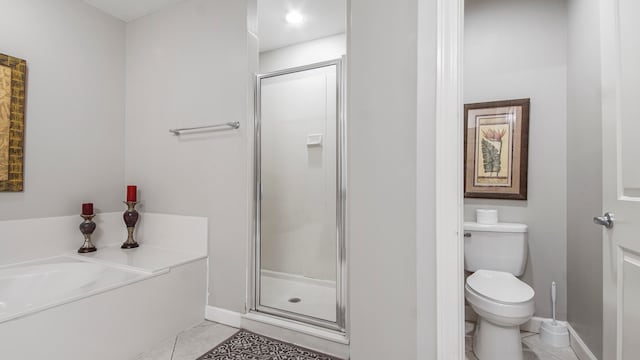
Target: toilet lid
{"points": [[500, 286]]}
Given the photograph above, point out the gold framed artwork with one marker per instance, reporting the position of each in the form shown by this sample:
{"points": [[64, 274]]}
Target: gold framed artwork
{"points": [[13, 73], [496, 149]]}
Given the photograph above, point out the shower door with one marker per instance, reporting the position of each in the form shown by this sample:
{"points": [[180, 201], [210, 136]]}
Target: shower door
{"points": [[300, 195]]}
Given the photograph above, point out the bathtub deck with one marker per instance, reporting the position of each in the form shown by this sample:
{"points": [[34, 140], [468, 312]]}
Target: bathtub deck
{"points": [[144, 258]]}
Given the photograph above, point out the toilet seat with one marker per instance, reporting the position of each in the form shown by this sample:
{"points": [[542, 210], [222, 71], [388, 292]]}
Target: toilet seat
{"points": [[500, 287]]}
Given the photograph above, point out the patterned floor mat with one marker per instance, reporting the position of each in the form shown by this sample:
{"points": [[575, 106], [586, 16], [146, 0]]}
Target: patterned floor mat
{"points": [[245, 345]]}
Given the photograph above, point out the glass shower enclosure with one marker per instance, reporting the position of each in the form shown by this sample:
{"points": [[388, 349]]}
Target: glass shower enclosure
{"points": [[300, 188]]}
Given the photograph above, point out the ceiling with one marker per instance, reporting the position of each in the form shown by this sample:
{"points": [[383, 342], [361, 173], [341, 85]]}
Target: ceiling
{"points": [[128, 10], [322, 18]]}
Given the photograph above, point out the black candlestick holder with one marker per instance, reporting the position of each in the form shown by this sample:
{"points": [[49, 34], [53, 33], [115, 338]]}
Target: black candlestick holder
{"points": [[87, 228], [130, 219]]}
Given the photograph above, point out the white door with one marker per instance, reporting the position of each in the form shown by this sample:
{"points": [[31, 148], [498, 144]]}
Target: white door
{"points": [[620, 45]]}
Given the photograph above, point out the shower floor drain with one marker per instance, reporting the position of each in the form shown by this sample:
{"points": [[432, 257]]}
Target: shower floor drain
{"points": [[295, 300]]}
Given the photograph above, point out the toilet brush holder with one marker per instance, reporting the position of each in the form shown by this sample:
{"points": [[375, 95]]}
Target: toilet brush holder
{"points": [[555, 333], [552, 332]]}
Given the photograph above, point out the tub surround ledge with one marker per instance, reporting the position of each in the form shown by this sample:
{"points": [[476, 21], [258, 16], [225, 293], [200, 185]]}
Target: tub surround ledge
{"points": [[32, 239], [149, 259]]}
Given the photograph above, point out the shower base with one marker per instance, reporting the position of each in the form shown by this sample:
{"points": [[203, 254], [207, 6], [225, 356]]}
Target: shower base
{"points": [[298, 294]]}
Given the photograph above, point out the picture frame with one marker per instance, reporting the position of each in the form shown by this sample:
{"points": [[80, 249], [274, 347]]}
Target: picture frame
{"points": [[496, 149], [13, 73]]}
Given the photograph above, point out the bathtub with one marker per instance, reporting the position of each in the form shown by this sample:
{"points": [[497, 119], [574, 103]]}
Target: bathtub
{"points": [[37, 286], [109, 305]]}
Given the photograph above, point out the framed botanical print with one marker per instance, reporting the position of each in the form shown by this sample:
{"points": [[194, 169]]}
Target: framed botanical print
{"points": [[496, 142], [12, 101]]}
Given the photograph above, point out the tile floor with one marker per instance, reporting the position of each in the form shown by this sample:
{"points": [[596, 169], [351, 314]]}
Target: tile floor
{"points": [[533, 347], [190, 344]]}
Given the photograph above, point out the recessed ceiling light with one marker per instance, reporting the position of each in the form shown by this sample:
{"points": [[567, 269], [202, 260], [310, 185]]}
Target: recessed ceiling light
{"points": [[294, 17]]}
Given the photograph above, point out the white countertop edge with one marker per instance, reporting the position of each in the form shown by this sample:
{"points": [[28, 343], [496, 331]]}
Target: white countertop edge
{"points": [[191, 257]]}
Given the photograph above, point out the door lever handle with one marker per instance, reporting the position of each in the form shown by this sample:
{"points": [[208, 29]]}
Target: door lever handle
{"points": [[606, 220]]}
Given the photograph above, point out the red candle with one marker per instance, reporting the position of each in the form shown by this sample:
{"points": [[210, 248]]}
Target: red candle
{"points": [[87, 209], [132, 193]]}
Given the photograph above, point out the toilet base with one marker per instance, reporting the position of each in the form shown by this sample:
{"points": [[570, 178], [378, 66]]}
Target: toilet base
{"points": [[494, 342]]}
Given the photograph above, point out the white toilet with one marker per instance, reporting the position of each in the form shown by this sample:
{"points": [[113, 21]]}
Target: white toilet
{"points": [[496, 254]]}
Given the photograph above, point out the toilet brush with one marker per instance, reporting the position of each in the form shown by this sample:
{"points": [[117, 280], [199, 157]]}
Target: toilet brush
{"points": [[553, 302], [554, 332]]}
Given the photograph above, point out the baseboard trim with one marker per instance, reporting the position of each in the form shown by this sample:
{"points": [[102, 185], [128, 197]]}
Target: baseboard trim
{"points": [[223, 316], [575, 341], [579, 347]]}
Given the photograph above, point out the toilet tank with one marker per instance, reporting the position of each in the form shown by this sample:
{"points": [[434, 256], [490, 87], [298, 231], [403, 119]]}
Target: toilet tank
{"points": [[499, 247]]}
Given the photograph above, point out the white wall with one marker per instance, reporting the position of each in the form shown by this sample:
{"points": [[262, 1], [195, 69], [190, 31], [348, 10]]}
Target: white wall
{"points": [[584, 174], [74, 145], [327, 48], [517, 49], [188, 65], [383, 162], [426, 331]]}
